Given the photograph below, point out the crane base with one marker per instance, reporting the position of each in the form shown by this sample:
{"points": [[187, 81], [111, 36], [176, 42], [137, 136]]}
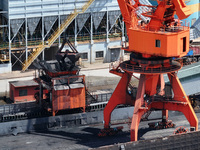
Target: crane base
{"points": [[110, 131], [161, 125], [150, 96], [152, 65]]}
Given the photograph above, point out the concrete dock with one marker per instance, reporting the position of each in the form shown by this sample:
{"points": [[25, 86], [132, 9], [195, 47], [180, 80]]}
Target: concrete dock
{"points": [[84, 137]]}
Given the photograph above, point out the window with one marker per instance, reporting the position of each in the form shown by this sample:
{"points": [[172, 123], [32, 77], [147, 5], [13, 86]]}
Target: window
{"points": [[99, 54], [84, 55], [158, 44], [23, 92], [193, 21], [184, 44]]}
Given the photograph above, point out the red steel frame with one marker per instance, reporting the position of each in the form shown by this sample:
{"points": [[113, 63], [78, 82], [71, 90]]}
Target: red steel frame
{"points": [[150, 83]]}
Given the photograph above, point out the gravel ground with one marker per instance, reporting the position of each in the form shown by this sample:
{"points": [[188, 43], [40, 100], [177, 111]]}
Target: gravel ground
{"points": [[101, 79]]}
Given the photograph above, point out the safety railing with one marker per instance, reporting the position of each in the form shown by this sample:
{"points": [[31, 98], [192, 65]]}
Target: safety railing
{"points": [[35, 43], [139, 69], [54, 36], [170, 1], [174, 28], [19, 44], [9, 109], [64, 80], [102, 97], [4, 45]]}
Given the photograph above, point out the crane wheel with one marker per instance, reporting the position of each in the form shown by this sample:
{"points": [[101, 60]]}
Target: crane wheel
{"points": [[180, 130]]}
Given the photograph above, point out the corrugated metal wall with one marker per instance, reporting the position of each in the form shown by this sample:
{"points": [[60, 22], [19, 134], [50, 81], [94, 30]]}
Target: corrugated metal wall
{"points": [[38, 8]]}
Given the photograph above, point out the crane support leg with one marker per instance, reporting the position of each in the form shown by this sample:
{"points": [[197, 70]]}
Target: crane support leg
{"points": [[138, 109], [135, 123], [165, 114], [119, 96], [180, 102], [180, 95], [178, 106], [150, 96]]}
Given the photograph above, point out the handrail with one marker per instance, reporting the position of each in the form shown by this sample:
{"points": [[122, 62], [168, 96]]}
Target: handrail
{"points": [[148, 70], [34, 44], [54, 36], [176, 27]]}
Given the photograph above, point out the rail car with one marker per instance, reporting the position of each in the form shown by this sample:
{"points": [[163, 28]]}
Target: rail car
{"points": [[31, 109], [67, 94], [192, 56]]}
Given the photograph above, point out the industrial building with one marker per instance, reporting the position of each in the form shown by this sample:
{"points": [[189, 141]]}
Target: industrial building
{"points": [[95, 27]]}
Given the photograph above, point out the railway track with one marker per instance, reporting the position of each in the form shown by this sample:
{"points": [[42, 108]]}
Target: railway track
{"points": [[29, 110]]}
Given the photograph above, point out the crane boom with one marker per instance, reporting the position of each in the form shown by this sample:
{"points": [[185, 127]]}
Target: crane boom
{"points": [[164, 12], [161, 19]]}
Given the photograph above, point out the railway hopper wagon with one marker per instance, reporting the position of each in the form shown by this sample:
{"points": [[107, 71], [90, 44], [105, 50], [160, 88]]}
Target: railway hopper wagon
{"points": [[61, 92]]}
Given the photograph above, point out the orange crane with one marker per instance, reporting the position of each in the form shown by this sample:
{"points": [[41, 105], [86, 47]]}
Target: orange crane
{"points": [[152, 45]]}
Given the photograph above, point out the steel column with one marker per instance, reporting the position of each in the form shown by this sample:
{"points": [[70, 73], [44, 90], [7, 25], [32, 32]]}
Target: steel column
{"points": [[26, 34], [26, 38], [107, 25], [123, 38], [91, 38], [138, 112], [43, 36], [59, 29], [107, 37], [9, 38], [75, 33]]}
